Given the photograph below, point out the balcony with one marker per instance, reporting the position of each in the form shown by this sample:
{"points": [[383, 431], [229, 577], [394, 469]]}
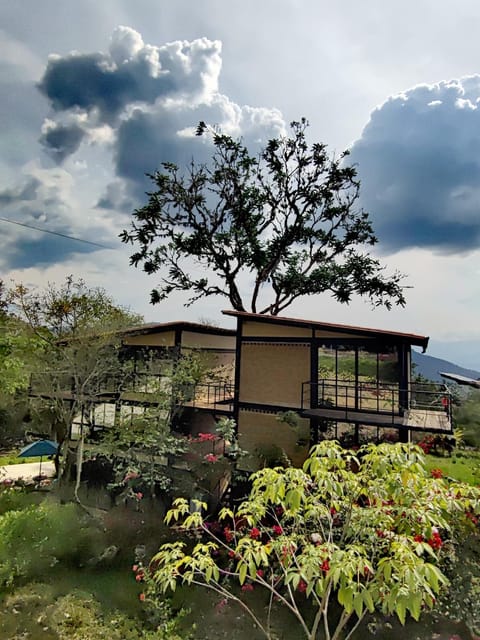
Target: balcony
{"points": [[133, 389], [421, 406]]}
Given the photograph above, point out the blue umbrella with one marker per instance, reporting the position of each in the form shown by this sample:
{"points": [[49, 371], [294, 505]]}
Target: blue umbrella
{"points": [[39, 449]]}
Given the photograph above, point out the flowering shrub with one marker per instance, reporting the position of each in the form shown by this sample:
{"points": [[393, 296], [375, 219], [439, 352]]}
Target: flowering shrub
{"points": [[367, 531]]}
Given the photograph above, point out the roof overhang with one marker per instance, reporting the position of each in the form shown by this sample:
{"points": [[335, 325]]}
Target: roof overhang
{"points": [[409, 338]]}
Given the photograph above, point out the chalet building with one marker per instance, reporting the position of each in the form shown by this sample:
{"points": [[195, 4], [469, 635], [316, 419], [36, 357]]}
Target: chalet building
{"points": [[286, 382]]}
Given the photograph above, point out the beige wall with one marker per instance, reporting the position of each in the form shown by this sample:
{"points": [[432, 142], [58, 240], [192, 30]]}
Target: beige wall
{"points": [[164, 339], [273, 373], [261, 329], [207, 341], [262, 433]]}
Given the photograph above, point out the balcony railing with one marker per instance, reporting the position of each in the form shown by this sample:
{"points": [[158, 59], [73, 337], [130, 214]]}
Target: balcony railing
{"points": [[132, 388], [381, 398]]}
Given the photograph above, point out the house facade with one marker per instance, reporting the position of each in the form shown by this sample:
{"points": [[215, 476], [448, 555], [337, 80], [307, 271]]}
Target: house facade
{"points": [[286, 382]]}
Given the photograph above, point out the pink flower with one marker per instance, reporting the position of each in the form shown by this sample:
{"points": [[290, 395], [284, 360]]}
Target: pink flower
{"points": [[277, 529], [206, 437], [254, 533], [138, 495], [135, 567], [260, 573], [247, 587], [141, 597], [211, 457]]}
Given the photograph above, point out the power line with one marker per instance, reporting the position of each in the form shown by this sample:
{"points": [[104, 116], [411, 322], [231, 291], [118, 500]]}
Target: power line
{"points": [[55, 233]]}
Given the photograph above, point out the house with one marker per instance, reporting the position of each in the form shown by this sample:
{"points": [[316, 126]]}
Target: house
{"points": [[286, 382], [339, 379]]}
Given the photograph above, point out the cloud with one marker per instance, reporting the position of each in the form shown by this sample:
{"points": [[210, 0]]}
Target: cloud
{"points": [[114, 117], [104, 84], [61, 140], [419, 164], [167, 134], [26, 191], [44, 199], [146, 101]]}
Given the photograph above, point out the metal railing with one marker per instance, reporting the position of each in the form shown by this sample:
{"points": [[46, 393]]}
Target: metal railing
{"points": [[210, 395], [375, 397]]}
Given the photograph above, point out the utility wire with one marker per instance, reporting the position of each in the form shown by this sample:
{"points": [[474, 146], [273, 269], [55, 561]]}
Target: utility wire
{"points": [[56, 233]]}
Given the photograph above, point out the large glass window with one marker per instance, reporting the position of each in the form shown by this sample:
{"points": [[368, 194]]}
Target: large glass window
{"points": [[361, 376]]}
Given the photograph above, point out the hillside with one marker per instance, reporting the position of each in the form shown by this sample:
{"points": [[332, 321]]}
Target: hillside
{"points": [[430, 367]]}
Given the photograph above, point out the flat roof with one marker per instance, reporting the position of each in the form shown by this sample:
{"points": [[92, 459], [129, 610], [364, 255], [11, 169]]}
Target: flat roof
{"points": [[411, 338]]}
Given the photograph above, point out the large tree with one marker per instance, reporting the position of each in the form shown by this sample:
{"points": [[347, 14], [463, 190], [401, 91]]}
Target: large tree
{"points": [[80, 330], [286, 221]]}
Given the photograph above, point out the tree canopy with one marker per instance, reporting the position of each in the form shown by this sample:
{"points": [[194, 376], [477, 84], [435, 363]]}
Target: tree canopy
{"points": [[286, 222]]}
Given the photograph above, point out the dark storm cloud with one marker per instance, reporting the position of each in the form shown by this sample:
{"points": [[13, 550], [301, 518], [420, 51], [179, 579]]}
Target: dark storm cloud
{"points": [[131, 72], [419, 164], [61, 140], [115, 199], [147, 139], [39, 250]]}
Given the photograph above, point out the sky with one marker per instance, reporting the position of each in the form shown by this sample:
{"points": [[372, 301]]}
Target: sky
{"points": [[94, 95]]}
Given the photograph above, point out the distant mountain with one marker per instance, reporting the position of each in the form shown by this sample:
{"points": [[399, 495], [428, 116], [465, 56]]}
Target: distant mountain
{"points": [[430, 367]]}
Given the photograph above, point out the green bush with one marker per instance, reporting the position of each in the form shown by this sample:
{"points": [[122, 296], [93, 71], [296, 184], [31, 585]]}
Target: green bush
{"points": [[40, 536], [16, 498]]}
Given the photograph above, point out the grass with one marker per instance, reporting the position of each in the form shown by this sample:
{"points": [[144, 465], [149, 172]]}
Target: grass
{"points": [[463, 465], [12, 458]]}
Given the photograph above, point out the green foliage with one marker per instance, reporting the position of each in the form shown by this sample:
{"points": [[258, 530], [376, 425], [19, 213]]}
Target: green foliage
{"points": [[287, 217], [18, 348], [38, 537], [16, 498], [467, 418], [366, 531], [78, 615]]}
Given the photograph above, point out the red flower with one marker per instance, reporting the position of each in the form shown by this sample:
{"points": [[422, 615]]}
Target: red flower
{"points": [[325, 566], [254, 533], [141, 597], [231, 554], [418, 537], [139, 577], [211, 457], [436, 473], [277, 529], [260, 573], [227, 532], [206, 437], [302, 586], [435, 541], [247, 587]]}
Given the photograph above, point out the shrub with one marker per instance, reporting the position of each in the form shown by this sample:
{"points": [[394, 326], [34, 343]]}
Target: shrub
{"points": [[40, 536]]}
